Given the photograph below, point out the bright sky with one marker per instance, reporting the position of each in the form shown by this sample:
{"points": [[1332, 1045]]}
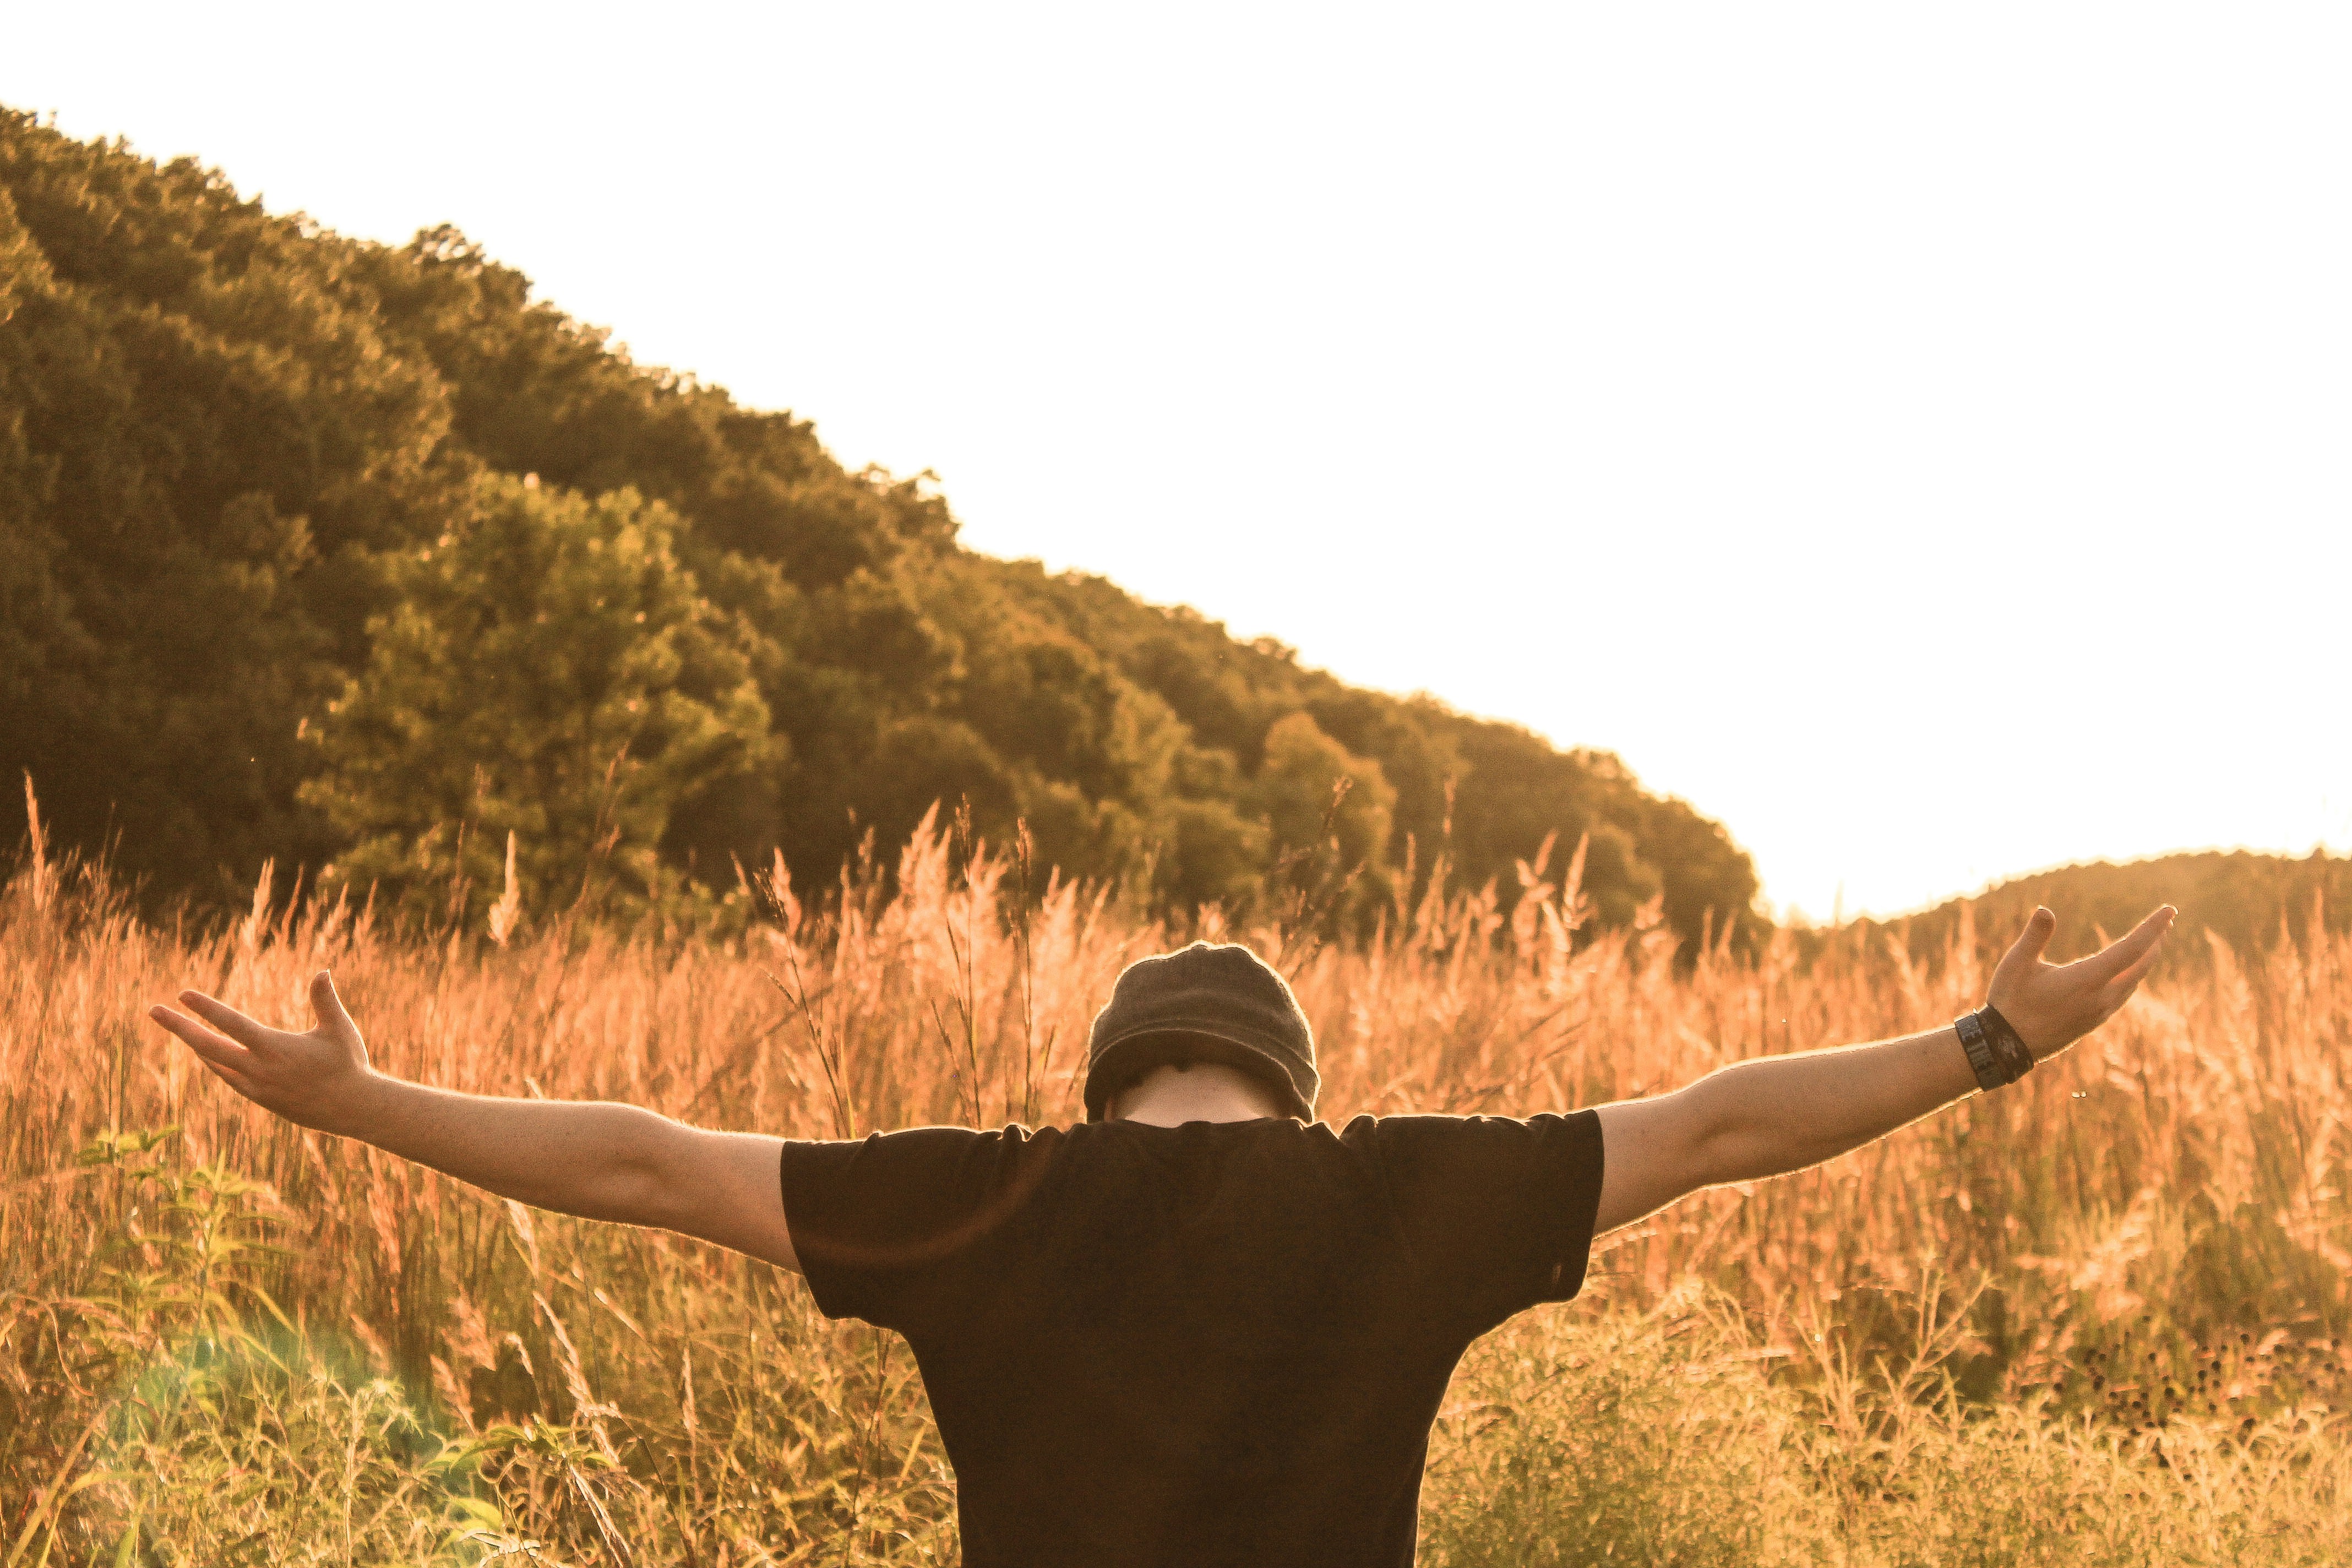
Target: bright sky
{"points": [[1921, 436]]}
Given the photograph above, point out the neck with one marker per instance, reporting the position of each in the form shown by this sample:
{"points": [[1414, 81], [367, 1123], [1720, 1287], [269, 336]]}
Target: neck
{"points": [[1201, 1091]]}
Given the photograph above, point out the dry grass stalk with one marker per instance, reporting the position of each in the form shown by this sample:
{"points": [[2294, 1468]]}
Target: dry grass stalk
{"points": [[2176, 1182]]}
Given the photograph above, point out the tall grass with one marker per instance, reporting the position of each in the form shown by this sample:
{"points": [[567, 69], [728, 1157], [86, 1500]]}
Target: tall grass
{"points": [[2099, 1317]]}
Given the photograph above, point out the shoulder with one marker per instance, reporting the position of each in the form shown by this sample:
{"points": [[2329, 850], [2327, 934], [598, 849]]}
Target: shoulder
{"points": [[1424, 1145], [1422, 1128], [917, 1153], [939, 1139]]}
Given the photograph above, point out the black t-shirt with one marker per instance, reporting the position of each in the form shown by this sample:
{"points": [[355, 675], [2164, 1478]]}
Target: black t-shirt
{"points": [[1217, 1343]]}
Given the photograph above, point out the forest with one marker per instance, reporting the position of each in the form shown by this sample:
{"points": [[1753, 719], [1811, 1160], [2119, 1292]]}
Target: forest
{"points": [[364, 562]]}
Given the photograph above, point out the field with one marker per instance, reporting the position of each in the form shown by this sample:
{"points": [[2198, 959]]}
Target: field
{"points": [[2100, 1318]]}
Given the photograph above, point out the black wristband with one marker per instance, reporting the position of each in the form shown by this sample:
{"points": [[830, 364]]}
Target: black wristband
{"points": [[1995, 1051], [1979, 1049], [2008, 1047]]}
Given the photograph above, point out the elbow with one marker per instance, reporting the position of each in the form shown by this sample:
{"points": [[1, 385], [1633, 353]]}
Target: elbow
{"points": [[1730, 1141], [631, 1176], [648, 1171]]}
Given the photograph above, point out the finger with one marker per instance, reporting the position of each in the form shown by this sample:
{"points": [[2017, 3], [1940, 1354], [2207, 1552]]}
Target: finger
{"points": [[327, 1007], [2123, 985], [235, 1079], [225, 1019], [2113, 960], [212, 1047], [2033, 940]]}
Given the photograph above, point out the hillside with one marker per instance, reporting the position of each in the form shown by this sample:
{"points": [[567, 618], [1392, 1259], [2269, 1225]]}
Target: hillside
{"points": [[2250, 900], [359, 558]]}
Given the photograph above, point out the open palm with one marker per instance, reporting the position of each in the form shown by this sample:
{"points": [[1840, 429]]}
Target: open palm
{"points": [[2052, 1006], [307, 1077]]}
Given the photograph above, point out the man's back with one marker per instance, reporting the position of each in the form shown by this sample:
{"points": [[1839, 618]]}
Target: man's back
{"points": [[1213, 1342], [1194, 1330]]}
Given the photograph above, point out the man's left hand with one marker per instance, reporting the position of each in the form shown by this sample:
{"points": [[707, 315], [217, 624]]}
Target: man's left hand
{"points": [[2052, 1006]]}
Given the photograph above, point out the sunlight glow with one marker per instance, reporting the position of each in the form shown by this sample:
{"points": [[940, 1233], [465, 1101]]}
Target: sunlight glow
{"points": [[1916, 437]]}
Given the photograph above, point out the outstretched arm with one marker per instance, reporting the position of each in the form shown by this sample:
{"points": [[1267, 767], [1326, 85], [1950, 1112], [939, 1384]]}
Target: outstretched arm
{"points": [[1771, 1115], [595, 1158]]}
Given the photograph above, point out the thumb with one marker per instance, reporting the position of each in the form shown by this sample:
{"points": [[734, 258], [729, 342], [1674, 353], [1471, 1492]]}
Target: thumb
{"points": [[2033, 940], [329, 1007]]}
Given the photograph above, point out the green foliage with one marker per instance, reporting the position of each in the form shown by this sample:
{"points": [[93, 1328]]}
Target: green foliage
{"points": [[231, 446], [199, 446], [2249, 900], [1578, 1436], [1676, 1436], [232, 1433], [1330, 811], [1615, 1442], [187, 1245], [548, 672]]}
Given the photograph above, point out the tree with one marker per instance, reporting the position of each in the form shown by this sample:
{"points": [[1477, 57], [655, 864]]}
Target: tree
{"points": [[229, 441], [1330, 835], [549, 671]]}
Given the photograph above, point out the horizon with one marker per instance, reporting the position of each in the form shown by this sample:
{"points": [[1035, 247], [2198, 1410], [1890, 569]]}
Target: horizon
{"points": [[2090, 340]]}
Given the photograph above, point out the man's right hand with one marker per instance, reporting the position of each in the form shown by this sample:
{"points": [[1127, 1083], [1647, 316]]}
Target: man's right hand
{"points": [[315, 1078], [593, 1158]]}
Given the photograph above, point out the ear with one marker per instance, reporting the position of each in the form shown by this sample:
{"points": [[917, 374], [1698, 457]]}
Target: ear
{"points": [[1115, 1102]]}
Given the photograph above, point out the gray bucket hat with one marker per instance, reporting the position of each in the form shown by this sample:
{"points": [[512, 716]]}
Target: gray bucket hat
{"points": [[1209, 1001]]}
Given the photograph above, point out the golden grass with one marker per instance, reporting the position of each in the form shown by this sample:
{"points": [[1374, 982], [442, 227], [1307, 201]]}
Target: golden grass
{"points": [[2115, 1298]]}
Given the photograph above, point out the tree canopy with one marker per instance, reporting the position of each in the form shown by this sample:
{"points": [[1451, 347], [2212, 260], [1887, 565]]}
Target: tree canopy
{"points": [[547, 674], [355, 555]]}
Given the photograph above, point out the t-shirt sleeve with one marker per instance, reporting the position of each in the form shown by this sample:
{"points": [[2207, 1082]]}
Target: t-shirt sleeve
{"points": [[886, 1226], [1496, 1210]]}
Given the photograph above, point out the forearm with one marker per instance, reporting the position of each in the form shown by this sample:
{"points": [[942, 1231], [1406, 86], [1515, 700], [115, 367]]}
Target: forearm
{"points": [[1771, 1115], [1776, 1114], [595, 1158]]}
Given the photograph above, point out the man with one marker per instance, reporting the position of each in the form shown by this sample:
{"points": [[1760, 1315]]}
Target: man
{"points": [[1202, 1328]]}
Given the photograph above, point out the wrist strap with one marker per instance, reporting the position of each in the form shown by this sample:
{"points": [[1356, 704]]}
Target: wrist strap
{"points": [[1996, 1052]]}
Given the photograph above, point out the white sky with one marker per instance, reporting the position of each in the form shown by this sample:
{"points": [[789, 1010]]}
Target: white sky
{"points": [[1920, 437]]}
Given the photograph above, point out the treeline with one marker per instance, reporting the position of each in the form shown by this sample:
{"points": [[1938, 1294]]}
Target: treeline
{"points": [[2250, 900], [356, 558]]}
